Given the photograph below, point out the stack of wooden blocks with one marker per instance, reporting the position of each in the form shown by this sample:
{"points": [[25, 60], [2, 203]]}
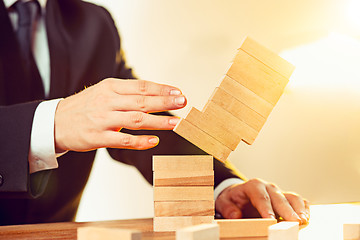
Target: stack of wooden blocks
{"points": [[239, 107], [183, 191]]}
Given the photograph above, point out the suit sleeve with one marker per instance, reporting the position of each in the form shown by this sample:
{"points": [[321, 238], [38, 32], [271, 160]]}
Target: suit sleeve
{"points": [[15, 126]]}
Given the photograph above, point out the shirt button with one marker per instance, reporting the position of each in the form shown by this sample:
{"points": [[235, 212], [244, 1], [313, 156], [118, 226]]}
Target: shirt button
{"points": [[1, 180]]}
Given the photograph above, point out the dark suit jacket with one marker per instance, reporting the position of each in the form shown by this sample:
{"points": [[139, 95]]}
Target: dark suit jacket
{"points": [[84, 48]]}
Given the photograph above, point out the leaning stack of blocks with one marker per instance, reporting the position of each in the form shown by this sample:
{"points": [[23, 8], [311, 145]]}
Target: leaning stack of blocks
{"points": [[237, 110], [183, 191], [241, 104]]}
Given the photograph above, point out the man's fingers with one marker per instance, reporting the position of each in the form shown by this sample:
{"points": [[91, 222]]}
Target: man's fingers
{"points": [[140, 120], [227, 208], [259, 198], [281, 204], [147, 103], [299, 206], [140, 87], [127, 141]]}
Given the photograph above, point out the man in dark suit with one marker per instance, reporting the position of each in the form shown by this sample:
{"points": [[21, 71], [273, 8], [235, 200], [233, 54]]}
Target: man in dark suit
{"points": [[82, 47]]}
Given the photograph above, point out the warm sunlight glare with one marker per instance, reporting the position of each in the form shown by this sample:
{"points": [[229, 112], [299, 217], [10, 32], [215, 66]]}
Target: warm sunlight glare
{"points": [[353, 12], [325, 217], [331, 63]]}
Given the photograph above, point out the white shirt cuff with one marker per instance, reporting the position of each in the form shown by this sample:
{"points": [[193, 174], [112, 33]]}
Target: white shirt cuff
{"points": [[224, 184], [42, 155]]}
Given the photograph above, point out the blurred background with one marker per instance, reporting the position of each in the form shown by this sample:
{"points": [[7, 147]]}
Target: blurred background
{"points": [[310, 144]]}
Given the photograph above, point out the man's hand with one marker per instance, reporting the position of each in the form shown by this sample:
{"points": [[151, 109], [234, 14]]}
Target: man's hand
{"points": [[256, 198], [93, 118]]}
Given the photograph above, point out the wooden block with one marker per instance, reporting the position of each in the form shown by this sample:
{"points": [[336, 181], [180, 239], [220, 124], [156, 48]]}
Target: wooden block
{"points": [[199, 232], [268, 57], [186, 163], [184, 208], [249, 238], [184, 178], [99, 233], [170, 224], [246, 96], [202, 140], [183, 193], [284, 231], [238, 109], [351, 231], [254, 227], [230, 123], [257, 77], [216, 125]]}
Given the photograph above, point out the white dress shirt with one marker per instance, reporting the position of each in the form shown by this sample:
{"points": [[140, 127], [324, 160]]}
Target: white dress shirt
{"points": [[42, 155]]}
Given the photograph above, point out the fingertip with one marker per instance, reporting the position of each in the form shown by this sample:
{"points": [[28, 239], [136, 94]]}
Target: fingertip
{"points": [[174, 121], [180, 101], [154, 141], [235, 215], [269, 214], [175, 92], [227, 208], [296, 217]]}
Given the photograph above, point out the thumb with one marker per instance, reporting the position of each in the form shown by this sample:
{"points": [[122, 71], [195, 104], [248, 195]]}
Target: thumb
{"points": [[227, 208]]}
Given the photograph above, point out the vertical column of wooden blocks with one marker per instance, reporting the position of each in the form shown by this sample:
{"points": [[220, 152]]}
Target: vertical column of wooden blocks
{"points": [[183, 191], [239, 107], [284, 231]]}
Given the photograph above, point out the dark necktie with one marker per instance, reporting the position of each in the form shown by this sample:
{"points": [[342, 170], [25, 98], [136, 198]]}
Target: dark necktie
{"points": [[32, 85]]}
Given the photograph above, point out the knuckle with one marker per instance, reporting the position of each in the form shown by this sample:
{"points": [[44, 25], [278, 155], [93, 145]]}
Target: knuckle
{"points": [[163, 91], [272, 186], [256, 181], [141, 103], [126, 141], [143, 86], [264, 197], [137, 119], [106, 82]]}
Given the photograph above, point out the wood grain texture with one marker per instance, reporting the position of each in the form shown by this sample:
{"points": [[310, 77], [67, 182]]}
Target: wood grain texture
{"points": [[169, 224], [100, 233], [183, 178], [268, 57], [68, 230], [284, 231], [351, 231], [216, 125], [183, 193], [199, 232], [257, 77], [238, 109], [183, 163], [255, 227], [203, 140], [247, 97], [230, 123], [184, 208]]}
